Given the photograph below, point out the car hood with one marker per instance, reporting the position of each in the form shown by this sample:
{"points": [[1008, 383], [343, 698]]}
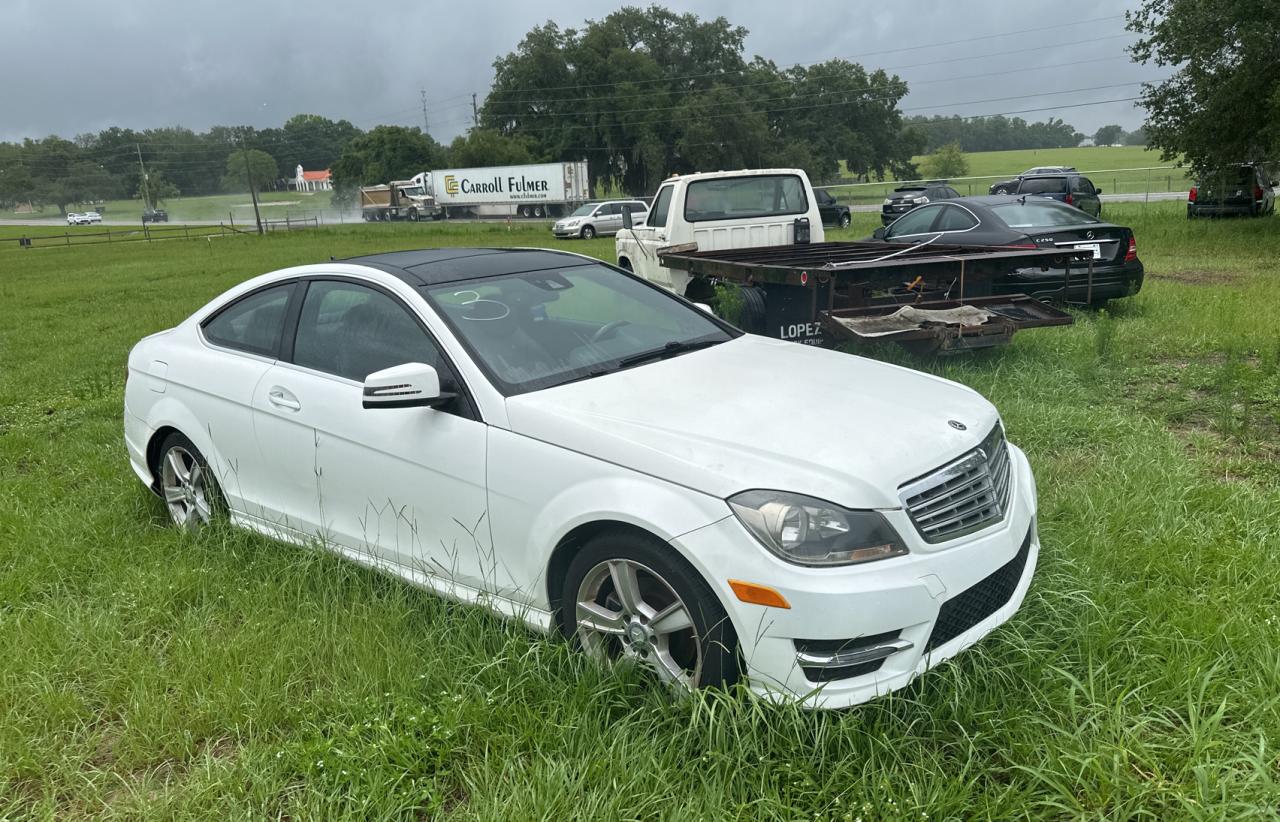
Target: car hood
{"points": [[761, 413]]}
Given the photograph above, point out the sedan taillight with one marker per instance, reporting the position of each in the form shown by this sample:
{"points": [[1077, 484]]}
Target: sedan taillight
{"points": [[1132, 253]]}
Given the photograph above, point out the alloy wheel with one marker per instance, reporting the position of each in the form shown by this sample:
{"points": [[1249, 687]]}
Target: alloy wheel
{"points": [[186, 488], [626, 611]]}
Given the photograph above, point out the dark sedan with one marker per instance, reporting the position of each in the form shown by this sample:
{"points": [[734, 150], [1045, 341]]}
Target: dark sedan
{"points": [[905, 198], [1032, 222]]}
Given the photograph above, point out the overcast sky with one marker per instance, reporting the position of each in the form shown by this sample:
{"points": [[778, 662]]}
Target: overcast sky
{"points": [[75, 66]]}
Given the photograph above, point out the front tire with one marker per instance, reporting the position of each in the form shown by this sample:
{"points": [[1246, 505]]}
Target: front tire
{"points": [[629, 597], [845, 220], [588, 232], [187, 484]]}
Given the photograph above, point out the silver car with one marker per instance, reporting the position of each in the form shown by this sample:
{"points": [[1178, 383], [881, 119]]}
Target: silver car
{"points": [[598, 219]]}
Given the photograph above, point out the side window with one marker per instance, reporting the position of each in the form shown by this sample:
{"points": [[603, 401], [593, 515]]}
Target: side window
{"points": [[252, 323], [612, 209], [352, 331], [1086, 185], [916, 221], [661, 206], [954, 218]]}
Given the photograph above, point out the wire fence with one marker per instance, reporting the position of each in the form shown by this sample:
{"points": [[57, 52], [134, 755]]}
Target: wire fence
{"points": [[110, 235]]}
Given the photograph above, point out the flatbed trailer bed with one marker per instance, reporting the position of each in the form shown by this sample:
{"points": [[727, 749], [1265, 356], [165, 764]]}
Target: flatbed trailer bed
{"points": [[832, 293]]}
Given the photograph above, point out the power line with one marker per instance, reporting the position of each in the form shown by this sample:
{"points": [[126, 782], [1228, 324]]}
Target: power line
{"points": [[852, 58]]}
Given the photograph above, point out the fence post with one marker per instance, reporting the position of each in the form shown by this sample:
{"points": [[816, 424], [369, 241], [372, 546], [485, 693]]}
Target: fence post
{"points": [[108, 234], [1147, 198], [186, 231], [288, 226], [67, 236]]}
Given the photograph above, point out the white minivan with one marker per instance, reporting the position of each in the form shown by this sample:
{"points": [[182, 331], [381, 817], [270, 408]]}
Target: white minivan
{"points": [[598, 219], [717, 210]]}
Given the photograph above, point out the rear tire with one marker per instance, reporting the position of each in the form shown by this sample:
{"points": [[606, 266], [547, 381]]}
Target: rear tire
{"points": [[628, 596], [187, 484]]}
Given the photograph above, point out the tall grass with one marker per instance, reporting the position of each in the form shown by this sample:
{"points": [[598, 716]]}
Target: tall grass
{"points": [[146, 674]]}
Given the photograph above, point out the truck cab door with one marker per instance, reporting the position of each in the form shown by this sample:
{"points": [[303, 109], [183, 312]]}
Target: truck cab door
{"points": [[640, 249]]}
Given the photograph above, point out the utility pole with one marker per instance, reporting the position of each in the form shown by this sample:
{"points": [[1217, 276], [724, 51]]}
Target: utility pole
{"points": [[146, 193], [426, 127], [248, 173], [475, 112]]}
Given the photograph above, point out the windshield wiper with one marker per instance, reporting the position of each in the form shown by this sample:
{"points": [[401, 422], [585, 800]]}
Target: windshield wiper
{"points": [[671, 349]]}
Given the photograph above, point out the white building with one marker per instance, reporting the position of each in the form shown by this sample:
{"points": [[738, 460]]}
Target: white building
{"points": [[312, 180]]}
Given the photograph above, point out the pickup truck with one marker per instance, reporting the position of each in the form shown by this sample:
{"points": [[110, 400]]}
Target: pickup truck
{"points": [[749, 244]]}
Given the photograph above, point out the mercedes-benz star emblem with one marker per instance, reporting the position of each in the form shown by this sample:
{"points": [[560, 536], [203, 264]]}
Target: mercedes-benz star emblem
{"points": [[956, 424]]}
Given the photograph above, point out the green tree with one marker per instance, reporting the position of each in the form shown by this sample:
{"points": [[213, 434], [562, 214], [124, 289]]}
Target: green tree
{"points": [[310, 141], [159, 188], [387, 153], [1221, 102], [488, 147], [1137, 137], [261, 165], [947, 161], [1108, 135]]}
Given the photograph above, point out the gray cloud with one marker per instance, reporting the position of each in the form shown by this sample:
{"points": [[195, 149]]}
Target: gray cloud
{"points": [[76, 66]]}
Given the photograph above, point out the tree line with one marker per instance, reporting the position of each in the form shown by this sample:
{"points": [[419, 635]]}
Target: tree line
{"points": [[640, 94]]}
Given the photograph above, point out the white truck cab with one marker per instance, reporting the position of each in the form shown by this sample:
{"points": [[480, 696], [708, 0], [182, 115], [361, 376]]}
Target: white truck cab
{"points": [[719, 210]]}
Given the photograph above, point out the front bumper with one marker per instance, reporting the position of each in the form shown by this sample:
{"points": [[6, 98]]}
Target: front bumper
{"points": [[913, 612], [566, 232]]}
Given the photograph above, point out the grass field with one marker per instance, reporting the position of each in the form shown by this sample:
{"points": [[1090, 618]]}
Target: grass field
{"points": [[1100, 163], [145, 674]]}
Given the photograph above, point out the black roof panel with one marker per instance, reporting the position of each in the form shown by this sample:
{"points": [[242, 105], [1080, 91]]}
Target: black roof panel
{"points": [[429, 266]]}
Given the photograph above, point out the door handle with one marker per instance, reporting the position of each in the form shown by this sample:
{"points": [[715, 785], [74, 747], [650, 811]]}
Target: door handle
{"points": [[281, 398]]}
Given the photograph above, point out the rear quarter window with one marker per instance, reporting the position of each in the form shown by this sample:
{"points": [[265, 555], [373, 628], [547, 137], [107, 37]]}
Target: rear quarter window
{"points": [[252, 323]]}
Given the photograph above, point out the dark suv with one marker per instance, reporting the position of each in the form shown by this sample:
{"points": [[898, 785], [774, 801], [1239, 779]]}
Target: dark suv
{"points": [[905, 198], [1007, 186], [156, 215], [1244, 189], [833, 212], [1072, 189]]}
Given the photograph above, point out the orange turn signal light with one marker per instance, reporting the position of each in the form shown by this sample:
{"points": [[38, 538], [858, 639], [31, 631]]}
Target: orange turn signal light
{"points": [[758, 594]]}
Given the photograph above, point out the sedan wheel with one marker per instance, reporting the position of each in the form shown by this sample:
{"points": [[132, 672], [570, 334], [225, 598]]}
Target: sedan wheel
{"points": [[628, 600], [187, 485]]}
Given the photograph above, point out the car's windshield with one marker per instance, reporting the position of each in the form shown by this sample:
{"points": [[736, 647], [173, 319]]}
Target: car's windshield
{"points": [[584, 210], [543, 328], [1042, 214]]}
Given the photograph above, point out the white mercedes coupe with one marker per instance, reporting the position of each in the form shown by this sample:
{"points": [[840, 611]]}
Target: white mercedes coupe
{"points": [[553, 438]]}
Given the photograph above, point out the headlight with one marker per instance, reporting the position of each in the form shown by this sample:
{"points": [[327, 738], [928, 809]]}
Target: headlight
{"points": [[920, 200], [888, 201], [809, 531]]}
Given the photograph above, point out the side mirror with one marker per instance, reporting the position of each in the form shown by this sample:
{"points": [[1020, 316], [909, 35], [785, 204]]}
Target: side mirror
{"points": [[412, 385], [878, 234], [626, 217], [1097, 191]]}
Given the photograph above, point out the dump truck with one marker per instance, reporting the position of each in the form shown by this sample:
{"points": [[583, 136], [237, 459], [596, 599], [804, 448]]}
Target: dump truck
{"points": [[397, 200]]}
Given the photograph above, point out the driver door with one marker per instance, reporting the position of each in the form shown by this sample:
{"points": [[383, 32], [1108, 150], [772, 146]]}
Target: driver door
{"points": [[406, 485]]}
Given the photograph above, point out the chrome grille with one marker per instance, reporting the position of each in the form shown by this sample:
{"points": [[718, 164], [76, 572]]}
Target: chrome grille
{"points": [[962, 496]]}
